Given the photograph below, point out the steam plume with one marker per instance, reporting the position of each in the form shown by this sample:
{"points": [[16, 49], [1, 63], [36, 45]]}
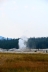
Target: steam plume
{"points": [[23, 43]]}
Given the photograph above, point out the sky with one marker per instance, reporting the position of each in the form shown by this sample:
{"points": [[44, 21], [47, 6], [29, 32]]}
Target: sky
{"points": [[24, 18]]}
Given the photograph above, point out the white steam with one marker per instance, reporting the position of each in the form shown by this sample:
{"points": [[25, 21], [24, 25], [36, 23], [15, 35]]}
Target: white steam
{"points": [[23, 43]]}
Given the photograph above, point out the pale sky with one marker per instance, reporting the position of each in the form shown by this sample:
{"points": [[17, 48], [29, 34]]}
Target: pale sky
{"points": [[24, 18]]}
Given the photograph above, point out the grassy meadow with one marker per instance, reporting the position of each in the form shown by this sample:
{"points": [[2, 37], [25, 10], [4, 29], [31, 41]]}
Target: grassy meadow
{"points": [[20, 62]]}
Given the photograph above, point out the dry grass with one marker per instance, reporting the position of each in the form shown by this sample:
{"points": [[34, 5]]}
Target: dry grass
{"points": [[11, 62]]}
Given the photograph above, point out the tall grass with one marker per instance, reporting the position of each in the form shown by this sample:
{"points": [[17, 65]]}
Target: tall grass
{"points": [[16, 62]]}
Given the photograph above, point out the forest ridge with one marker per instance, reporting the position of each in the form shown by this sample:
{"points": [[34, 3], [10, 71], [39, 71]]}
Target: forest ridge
{"points": [[32, 43]]}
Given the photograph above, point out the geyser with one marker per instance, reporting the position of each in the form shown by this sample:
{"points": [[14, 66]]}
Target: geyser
{"points": [[23, 43]]}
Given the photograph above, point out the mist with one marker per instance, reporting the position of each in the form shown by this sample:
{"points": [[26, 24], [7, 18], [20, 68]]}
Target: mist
{"points": [[23, 43]]}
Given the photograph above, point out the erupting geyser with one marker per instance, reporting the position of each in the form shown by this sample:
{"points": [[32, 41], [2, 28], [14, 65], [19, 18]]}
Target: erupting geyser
{"points": [[23, 43]]}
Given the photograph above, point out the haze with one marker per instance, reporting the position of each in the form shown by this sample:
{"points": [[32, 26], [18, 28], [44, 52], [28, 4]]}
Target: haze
{"points": [[24, 18]]}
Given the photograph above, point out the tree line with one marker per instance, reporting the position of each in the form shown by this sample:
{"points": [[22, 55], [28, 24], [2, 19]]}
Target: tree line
{"points": [[32, 43], [8, 44], [38, 43]]}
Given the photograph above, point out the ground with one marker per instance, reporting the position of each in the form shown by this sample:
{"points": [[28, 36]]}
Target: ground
{"points": [[21, 62]]}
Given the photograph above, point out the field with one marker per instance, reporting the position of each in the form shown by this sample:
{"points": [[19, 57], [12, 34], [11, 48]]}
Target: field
{"points": [[20, 62]]}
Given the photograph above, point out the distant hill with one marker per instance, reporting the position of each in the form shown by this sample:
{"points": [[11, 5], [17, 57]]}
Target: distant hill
{"points": [[2, 38]]}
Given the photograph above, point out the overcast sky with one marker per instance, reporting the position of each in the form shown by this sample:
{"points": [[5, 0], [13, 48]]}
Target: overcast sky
{"points": [[23, 18]]}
